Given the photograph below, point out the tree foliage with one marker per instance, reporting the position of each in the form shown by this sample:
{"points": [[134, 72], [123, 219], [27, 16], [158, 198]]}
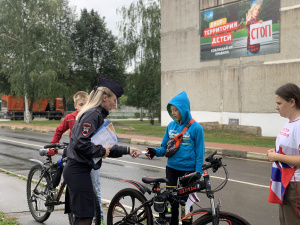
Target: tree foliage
{"points": [[33, 47], [140, 30], [220, 13], [243, 9], [95, 53], [270, 10]]}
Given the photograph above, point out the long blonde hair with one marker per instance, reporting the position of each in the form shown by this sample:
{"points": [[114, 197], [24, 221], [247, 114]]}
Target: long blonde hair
{"points": [[95, 99], [253, 6]]}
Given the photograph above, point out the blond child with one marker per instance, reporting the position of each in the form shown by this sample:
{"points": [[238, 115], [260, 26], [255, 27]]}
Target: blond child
{"points": [[80, 99]]}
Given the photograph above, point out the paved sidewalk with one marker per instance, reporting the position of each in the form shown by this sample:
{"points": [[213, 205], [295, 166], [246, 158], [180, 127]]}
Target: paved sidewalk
{"points": [[222, 149], [13, 202]]}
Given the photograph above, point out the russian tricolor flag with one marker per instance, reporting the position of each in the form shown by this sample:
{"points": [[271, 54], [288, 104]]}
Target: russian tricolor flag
{"points": [[280, 178], [190, 201]]}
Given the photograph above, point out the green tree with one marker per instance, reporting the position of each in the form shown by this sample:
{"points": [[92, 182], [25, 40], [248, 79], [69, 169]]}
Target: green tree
{"points": [[220, 13], [140, 30], [33, 48], [270, 10], [204, 24], [243, 9], [95, 52], [233, 12], [66, 27], [4, 84]]}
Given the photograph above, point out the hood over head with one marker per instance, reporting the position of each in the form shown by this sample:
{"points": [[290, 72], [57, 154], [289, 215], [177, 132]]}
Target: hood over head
{"points": [[182, 103]]}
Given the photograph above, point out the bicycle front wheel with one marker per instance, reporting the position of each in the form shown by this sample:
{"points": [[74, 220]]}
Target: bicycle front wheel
{"points": [[224, 218], [38, 194], [122, 206]]}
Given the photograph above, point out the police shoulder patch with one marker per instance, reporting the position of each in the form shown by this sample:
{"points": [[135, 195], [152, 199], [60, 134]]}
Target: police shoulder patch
{"points": [[86, 129]]}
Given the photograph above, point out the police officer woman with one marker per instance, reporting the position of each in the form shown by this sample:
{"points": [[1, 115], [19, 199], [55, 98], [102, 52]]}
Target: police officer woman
{"points": [[81, 150]]}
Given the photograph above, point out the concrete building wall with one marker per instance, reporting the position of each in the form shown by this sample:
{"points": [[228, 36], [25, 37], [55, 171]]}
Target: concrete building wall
{"points": [[237, 88]]}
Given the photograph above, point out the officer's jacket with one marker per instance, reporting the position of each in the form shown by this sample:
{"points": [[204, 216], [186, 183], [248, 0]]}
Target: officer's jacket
{"points": [[81, 148]]}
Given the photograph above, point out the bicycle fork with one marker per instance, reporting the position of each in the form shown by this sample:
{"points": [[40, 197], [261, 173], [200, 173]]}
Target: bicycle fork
{"points": [[210, 195]]}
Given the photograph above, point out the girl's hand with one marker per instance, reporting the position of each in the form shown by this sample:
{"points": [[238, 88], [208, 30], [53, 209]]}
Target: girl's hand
{"points": [[272, 155], [151, 152], [248, 16]]}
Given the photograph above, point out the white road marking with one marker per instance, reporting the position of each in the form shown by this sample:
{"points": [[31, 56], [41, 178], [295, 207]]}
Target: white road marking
{"points": [[18, 142], [163, 168], [152, 166]]}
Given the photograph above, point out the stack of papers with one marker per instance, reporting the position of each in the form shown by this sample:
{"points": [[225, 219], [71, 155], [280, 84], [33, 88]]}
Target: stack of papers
{"points": [[105, 136]]}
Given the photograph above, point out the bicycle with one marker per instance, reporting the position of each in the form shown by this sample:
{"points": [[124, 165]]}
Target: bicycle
{"points": [[130, 206], [43, 179]]}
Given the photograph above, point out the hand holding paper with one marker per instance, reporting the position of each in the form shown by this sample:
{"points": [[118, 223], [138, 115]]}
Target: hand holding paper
{"points": [[134, 152], [105, 136]]}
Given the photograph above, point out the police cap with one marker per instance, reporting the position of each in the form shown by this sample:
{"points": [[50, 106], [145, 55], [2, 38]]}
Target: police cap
{"points": [[112, 85]]}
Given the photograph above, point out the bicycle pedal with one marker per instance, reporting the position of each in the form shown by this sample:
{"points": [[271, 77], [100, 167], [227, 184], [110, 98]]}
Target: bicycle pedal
{"points": [[159, 221], [49, 204]]}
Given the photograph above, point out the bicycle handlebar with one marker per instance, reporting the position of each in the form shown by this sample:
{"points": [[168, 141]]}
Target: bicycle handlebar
{"points": [[189, 178], [57, 145], [213, 163], [211, 156], [191, 182], [49, 151]]}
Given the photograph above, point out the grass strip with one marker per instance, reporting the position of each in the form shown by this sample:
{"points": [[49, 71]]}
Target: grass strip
{"points": [[5, 220]]}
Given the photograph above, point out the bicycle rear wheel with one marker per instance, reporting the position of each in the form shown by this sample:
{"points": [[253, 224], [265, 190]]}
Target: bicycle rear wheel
{"points": [[38, 195], [97, 217], [224, 218], [124, 203]]}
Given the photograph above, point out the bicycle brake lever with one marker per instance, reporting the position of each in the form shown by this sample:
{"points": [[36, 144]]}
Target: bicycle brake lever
{"points": [[220, 203]]}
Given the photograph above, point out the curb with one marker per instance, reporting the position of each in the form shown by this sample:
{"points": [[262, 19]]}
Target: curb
{"points": [[40, 130], [238, 154]]}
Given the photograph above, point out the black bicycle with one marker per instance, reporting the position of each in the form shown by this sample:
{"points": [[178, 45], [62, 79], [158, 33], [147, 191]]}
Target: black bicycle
{"points": [[43, 180], [130, 206]]}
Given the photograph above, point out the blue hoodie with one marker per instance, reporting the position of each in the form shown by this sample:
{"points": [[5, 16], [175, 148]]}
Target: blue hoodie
{"points": [[190, 154]]}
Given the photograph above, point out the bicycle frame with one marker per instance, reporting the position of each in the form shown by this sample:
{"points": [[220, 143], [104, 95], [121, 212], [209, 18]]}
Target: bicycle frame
{"points": [[47, 169], [214, 211], [42, 190], [195, 186]]}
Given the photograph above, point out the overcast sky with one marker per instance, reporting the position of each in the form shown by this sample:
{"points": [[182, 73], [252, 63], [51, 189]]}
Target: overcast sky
{"points": [[106, 8]]}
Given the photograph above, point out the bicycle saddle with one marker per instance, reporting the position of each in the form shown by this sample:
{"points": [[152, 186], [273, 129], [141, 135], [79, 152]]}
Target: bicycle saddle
{"points": [[149, 180]]}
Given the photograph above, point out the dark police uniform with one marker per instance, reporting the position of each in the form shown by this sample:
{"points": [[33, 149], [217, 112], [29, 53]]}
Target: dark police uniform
{"points": [[80, 153]]}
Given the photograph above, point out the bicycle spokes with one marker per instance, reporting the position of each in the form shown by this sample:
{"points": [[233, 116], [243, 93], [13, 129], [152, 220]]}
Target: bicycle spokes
{"points": [[130, 206]]}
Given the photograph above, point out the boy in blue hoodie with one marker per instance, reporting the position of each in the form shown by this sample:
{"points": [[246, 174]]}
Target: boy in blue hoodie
{"points": [[190, 155]]}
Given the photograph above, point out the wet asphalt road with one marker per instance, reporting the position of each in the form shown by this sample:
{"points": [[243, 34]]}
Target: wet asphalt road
{"points": [[245, 194]]}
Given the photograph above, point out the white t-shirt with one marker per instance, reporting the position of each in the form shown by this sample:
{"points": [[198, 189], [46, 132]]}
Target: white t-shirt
{"points": [[289, 140]]}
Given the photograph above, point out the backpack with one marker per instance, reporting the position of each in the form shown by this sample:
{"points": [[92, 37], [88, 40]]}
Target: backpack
{"points": [[174, 142]]}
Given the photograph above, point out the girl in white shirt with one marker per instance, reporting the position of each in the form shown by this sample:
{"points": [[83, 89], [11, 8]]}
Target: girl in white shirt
{"points": [[287, 151]]}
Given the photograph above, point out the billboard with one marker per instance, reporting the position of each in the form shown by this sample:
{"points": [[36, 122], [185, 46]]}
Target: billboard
{"points": [[242, 29]]}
